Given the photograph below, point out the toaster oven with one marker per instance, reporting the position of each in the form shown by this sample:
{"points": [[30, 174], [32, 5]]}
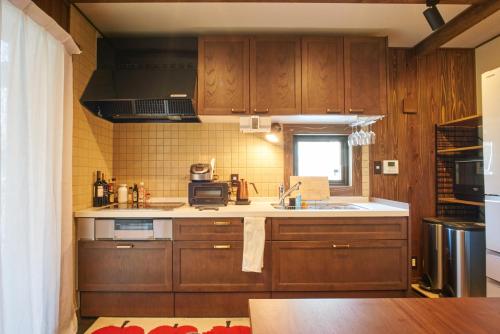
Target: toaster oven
{"points": [[208, 193]]}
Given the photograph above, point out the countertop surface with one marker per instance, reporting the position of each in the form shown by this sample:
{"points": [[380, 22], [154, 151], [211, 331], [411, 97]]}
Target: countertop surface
{"points": [[260, 207], [377, 316]]}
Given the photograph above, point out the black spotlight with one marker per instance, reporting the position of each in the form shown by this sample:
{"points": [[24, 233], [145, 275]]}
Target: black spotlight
{"points": [[432, 15]]}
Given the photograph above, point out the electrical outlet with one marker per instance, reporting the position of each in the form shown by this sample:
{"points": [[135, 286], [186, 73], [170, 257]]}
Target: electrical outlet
{"points": [[414, 262]]}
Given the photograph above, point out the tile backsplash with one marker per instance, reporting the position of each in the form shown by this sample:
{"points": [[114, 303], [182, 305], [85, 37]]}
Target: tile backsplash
{"points": [[92, 136], [161, 154]]}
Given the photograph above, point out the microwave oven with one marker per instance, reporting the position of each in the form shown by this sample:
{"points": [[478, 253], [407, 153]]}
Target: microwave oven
{"points": [[208, 193], [468, 181]]}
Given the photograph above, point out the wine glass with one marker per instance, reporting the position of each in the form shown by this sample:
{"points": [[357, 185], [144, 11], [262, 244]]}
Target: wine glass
{"points": [[372, 135]]}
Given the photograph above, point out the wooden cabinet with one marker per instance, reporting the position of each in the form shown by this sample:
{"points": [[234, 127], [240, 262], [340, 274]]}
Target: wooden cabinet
{"points": [[344, 265], [125, 266], [215, 304], [275, 75], [358, 228], [365, 75], [211, 266], [199, 229], [126, 304], [322, 75], [223, 71]]}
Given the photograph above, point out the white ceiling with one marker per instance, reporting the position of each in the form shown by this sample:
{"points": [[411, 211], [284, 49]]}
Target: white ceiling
{"points": [[403, 23], [481, 32]]}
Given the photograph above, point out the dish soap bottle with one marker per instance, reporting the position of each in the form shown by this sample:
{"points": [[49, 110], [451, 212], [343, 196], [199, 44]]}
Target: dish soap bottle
{"points": [[298, 201]]}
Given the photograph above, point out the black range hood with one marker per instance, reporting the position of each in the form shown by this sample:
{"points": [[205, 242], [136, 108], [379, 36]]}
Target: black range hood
{"points": [[144, 80]]}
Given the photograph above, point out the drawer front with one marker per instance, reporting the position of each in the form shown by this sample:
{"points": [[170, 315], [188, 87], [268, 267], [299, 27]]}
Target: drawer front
{"points": [[216, 266], [339, 228], [125, 266], [340, 266], [218, 304], [211, 229], [126, 304]]}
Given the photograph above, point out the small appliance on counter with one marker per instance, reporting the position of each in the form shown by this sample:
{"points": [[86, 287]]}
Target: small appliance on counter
{"points": [[208, 193], [242, 192], [202, 172]]}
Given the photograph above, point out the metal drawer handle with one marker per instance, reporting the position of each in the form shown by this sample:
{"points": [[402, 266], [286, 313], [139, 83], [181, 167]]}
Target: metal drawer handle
{"points": [[333, 111], [238, 111], [222, 246], [124, 246], [356, 110], [261, 111], [222, 223], [341, 246]]}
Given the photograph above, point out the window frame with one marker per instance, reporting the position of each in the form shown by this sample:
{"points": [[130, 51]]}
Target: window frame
{"points": [[324, 137], [355, 188]]}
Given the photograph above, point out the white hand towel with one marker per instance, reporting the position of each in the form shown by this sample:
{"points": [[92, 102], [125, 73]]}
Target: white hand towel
{"points": [[254, 238]]}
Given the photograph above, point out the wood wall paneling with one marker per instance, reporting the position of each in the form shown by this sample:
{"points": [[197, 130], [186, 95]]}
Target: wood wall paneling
{"points": [[444, 87], [57, 9]]}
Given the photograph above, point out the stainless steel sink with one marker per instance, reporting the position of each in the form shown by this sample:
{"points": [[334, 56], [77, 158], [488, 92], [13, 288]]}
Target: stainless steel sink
{"points": [[319, 206]]}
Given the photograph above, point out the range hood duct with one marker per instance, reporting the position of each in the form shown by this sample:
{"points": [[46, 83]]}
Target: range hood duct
{"points": [[144, 80]]}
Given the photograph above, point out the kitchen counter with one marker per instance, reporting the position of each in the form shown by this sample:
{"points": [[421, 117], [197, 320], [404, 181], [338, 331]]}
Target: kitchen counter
{"points": [[379, 315], [260, 207]]}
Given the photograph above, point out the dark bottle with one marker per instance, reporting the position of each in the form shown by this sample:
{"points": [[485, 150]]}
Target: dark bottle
{"points": [[135, 194], [105, 188], [98, 190]]}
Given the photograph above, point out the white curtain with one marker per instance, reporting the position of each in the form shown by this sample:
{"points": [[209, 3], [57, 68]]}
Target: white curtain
{"points": [[36, 255]]}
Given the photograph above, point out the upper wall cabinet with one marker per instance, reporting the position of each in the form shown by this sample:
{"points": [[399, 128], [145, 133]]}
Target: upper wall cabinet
{"points": [[223, 70], [275, 75], [322, 75], [365, 75]]}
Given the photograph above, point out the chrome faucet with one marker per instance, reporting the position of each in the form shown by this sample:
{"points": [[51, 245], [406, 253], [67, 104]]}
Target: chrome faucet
{"points": [[284, 194]]}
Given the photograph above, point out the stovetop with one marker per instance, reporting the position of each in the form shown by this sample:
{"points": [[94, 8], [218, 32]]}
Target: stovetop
{"points": [[160, 206]]}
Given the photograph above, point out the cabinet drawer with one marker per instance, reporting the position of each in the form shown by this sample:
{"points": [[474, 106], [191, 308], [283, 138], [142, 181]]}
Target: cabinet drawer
{"points": [[219, 304], [211, 229], [339, 228], [340, 265], [125, 266], [216, 266], [126, 304]]}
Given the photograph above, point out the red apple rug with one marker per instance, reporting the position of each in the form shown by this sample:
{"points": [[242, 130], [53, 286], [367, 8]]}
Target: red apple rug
{"points": [[105, 325]]}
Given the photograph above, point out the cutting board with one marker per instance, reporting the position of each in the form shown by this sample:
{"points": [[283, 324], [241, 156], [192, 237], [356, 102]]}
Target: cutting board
{"points": [[313, 188]]}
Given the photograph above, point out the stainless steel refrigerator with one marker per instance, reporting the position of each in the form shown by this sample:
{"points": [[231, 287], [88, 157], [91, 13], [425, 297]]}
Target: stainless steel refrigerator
{"points": [[491, 151]]}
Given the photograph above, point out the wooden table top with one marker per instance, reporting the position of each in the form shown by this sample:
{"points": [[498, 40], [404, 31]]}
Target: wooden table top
{"points": [[367, 316]]}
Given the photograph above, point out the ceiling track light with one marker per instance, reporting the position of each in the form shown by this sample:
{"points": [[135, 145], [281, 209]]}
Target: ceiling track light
{"points": [[432, 15]]}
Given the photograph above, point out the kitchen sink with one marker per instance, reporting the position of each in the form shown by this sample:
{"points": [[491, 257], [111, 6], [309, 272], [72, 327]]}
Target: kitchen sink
{"points": [[319, 206]]}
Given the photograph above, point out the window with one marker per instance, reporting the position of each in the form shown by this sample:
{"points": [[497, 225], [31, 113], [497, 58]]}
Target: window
{"points": [[322, 155]]}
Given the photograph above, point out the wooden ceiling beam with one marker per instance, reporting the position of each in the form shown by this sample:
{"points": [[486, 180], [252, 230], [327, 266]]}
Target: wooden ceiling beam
{"points": [[443, 2], [460, 23]]}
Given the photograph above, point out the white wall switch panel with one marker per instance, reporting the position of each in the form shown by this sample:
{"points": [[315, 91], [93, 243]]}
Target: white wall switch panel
{"points": [[390, 167]]}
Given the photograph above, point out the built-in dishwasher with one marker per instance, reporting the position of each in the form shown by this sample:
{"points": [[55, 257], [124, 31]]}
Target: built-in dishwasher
{"points": [[124, 229]]}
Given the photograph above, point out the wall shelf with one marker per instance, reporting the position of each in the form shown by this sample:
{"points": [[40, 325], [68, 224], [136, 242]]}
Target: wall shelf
{"points": [[460, 201], [460, 149], [472, 121]]}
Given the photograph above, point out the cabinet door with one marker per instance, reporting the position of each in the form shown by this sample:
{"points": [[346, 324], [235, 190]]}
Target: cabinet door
{"points": [[200, 229], [216, 266], [343, 265], [322, 75], [275, 78], [353, 228], [223, 69], [125, 266], [365, 75]]}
